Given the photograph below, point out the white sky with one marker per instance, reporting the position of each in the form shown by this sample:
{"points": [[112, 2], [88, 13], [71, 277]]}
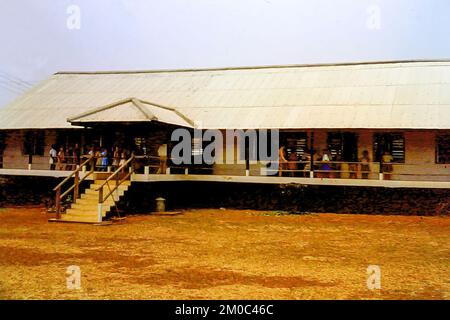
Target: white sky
{"points": [[157, 34]]}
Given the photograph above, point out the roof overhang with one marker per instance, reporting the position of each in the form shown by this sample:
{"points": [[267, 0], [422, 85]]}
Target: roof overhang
{"points": [[131, 110]]}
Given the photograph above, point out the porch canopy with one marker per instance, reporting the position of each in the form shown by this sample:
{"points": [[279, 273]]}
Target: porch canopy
{"points": [[131, 110]]}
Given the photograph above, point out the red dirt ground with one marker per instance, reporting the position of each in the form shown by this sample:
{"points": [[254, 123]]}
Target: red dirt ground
{"points": [[225, 254]]}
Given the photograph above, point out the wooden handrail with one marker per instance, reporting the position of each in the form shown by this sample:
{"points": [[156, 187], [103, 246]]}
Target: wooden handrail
{"points": [[123, 166], [79, 181], [116, 186], [73, 173], [75, 186], [147, 157], [101, 197]]}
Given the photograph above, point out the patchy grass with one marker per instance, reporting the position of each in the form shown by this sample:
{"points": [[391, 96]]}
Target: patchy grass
{"points": [[225, 254]]}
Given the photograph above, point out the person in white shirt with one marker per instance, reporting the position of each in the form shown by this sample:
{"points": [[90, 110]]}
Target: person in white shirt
{"points": [[325, 167], [53, 157]]}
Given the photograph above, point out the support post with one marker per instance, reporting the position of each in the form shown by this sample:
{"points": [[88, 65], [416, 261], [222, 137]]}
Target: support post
{"points": [[311, 152], [133, 162], [247, 163], [30, 161], [381, 175], [58, 203], [77, 184], [100, 205], [117, 187]]}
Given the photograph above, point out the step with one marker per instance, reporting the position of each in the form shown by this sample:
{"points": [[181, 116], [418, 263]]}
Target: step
{"points": [[86, 213], [68, 218], [86, 205], [92, 196], [88, 198], [82, 215], [88, 209], [94, 187], [120, 191], [94, 201], [89, 205], [85, 198], [111, 183], [93, 191]]}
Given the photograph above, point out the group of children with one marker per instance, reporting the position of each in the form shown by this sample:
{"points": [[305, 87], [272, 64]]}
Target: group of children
{"points": [[293, 165], [103, 159], [62, 160]]}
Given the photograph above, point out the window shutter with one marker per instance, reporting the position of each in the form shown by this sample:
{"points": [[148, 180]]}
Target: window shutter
{"points": [[398, 147]]}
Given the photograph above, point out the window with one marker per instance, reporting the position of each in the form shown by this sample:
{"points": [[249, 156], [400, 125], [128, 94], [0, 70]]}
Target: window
{"points": [[197, 147], [141, 146], [392, 143], [2, 147], [343, 146], [2, 142], [296, 142], [34, 143], [443, 149]]}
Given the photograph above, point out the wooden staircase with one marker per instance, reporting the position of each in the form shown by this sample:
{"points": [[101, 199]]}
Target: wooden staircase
{"points": [[86, 208], [96, 201]]}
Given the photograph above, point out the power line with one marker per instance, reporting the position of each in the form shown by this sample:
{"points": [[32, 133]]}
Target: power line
{"points": [[13, 82], [19, 83], [12, 89], [14, 86], [10, 76], [15, 77]]}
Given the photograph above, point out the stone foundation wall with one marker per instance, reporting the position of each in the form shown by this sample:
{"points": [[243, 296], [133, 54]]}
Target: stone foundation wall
{"points": [[292, 198], [20, 190]]}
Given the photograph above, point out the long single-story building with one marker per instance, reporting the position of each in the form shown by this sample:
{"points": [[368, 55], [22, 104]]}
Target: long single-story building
{"points": [[373, 124]]}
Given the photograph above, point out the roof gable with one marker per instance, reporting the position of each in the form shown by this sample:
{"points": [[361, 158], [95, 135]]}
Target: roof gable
{"points": [[131, 110]]}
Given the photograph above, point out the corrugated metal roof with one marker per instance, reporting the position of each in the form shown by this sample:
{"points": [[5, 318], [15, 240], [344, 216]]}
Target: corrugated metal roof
{"points": [[368, 95]]}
